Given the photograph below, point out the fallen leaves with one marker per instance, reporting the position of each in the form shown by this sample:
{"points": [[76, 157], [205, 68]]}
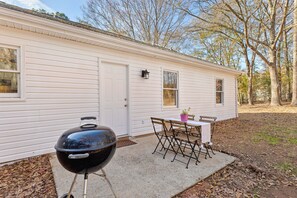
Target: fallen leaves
{"points": [[254, 173], [31, 177]]}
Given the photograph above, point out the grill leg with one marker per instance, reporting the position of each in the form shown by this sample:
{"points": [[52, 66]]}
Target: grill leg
{"points": [[71, 187], [85, 185], [110, 186]]}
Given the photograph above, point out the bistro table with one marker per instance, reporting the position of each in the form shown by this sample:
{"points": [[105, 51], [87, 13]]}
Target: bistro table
{"points": [[205, 129]]}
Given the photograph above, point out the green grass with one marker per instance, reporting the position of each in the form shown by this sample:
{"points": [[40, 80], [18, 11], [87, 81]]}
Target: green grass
{"points": [[270, 139], [275, 135], [287, 167], [292, 141]]}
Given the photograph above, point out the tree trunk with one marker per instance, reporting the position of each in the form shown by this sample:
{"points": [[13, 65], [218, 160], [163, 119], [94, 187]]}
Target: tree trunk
{"points": [[250, 69], [288, 94], [294, 87], [287, 66], [279, 69], [274, 87], [250, 89], [275, 99]]}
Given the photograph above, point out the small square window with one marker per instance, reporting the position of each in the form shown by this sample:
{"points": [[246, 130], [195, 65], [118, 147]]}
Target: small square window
{"points": [[9, 72]]}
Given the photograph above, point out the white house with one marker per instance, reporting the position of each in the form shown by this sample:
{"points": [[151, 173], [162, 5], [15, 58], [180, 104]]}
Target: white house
{"points": [[53, 72]]}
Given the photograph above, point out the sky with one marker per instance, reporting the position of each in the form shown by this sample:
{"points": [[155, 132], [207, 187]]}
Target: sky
{"points": [[70, 7]]}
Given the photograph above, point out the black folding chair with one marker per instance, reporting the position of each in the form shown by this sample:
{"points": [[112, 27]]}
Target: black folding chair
{"points": [[191, 117], [212, 121], [182, 135], [163, 136]]}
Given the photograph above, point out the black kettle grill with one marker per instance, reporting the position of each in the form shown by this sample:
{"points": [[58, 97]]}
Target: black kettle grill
{"points": [[85, 149]]}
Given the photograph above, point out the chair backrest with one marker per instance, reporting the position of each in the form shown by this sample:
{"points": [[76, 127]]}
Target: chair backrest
{"points": [[178, 126], [159, 122], [211, 120], [208, 119], [181, 127], [191, 117]]}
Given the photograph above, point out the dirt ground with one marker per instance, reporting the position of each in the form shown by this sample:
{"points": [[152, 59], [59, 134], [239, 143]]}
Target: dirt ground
{"points": [[264, 139]]}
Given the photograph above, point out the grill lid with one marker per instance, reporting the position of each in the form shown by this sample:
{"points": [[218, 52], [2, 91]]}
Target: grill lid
{"points": [[88, 137]]}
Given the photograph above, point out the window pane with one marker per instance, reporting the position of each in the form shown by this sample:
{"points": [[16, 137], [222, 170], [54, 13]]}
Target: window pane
{"points": [[169, 97], [8, 58], [8, 82], [169, 79], [219, 97], [219, 85]]}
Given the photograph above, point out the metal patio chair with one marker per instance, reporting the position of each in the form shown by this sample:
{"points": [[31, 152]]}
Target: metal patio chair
{"points": [[197, 133], [191, 128], [212, 121], [163, 136], [191, 117], [182, 135]]}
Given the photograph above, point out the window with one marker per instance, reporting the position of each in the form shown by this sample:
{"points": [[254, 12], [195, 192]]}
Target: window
{"points": [[219, 91], [9, 72], [170, 89]]}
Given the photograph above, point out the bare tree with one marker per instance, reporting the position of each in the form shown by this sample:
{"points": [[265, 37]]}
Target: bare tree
{"points": [[157, 22], [250, 65], [214, 18], [218, 49], [287, 64], [270, 18], [294, 89], [259, 23]]}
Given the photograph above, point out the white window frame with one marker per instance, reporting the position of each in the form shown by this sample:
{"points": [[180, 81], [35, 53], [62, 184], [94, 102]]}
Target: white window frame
{"points": [[176, 89], [222, 92], [19, 95]]}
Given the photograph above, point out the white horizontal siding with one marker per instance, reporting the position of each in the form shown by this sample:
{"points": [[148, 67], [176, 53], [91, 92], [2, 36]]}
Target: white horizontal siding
{"points": [[196, 90], [62, 85], [49, 65]]}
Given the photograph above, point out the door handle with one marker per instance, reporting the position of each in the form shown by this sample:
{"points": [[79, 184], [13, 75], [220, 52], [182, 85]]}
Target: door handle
{"points": [[126, 105]]}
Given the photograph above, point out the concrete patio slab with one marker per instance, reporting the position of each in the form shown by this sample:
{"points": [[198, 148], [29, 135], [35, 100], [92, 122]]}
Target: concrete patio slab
{"points": [[135, 172]]}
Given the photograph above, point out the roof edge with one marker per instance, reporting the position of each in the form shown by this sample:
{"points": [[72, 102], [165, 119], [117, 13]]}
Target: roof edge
{"points": [[81, 31]]}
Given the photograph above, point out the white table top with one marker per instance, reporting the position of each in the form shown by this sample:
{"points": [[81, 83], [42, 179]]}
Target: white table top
{"points": [[189, 122], [205, 129]]}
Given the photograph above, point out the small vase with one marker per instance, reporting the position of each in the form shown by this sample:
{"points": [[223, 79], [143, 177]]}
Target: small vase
{"points": [[184, 117]]}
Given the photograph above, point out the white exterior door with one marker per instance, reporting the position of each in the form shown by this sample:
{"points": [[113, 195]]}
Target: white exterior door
{"points": [[114, 98]]}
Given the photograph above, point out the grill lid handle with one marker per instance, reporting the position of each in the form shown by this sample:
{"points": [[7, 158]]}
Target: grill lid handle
{"points": [[78, 156], [89, 125], [88, 122], [88, 118]]}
